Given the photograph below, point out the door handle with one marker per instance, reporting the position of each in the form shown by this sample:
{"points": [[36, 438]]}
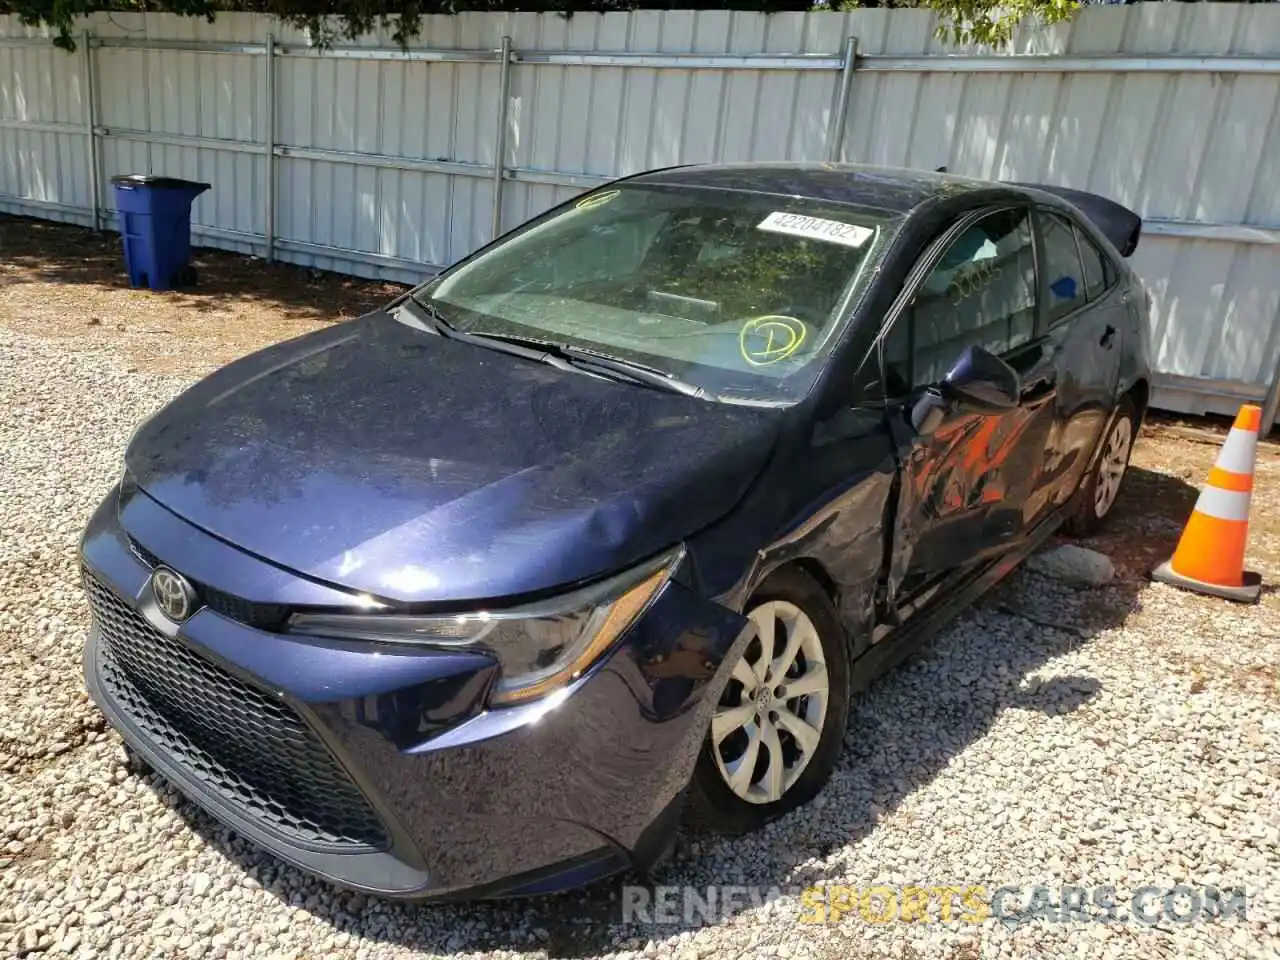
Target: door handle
{"points": [[1042, 388], [1108, 337]]}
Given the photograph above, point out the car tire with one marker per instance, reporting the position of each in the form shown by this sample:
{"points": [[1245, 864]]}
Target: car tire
{"points": [[805, 732], [1099, 492]]}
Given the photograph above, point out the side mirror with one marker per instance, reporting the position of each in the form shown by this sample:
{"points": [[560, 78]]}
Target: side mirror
{"points": [[980, 382]]}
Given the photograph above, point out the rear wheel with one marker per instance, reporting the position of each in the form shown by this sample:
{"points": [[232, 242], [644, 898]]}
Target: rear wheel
{"points": [[1100, 490], [777, 731]]}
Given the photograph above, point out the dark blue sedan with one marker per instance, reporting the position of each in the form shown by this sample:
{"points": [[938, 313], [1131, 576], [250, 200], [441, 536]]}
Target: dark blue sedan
{"points": [[482, 593]]}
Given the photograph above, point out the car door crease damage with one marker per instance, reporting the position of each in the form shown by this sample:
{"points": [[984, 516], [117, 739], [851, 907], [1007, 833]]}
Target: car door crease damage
{"points": [[601, 527]]}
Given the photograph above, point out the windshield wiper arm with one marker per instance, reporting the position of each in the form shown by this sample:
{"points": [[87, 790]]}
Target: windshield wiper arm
{"points": [[425, 316], [640, 372], [593, 361]]}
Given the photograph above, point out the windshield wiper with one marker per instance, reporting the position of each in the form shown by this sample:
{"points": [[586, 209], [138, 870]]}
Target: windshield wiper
{"points": [[424, 316], [428, 318], [592, 361], [640, 372]]}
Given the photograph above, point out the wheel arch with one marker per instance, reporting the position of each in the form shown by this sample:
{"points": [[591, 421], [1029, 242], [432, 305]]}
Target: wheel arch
{"points": [[807, 564], [1139, 393], [815, 569]]}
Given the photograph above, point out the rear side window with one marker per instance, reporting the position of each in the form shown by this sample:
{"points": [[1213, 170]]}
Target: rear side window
{"points": [[1095, 272], [1064, 273]]}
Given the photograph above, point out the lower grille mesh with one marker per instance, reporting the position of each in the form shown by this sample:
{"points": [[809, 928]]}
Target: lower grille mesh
{"points": [[251, 749]]}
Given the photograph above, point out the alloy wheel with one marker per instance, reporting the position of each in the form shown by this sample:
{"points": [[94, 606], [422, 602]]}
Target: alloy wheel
{"points": [[769, 721], [1115, 458]]}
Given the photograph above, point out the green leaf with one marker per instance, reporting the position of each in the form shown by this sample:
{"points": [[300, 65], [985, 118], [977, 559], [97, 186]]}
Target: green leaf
{"points": [[962, 21]]}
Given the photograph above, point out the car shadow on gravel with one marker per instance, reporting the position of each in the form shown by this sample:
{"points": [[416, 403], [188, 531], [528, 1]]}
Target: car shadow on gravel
{"points": [[904, 730]]}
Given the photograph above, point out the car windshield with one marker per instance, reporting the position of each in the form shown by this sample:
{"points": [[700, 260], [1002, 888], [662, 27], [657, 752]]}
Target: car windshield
{"points": [[738, 294]]}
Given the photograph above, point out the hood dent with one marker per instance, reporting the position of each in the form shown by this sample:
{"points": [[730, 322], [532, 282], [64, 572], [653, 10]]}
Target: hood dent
{"points": [[417, 469]]}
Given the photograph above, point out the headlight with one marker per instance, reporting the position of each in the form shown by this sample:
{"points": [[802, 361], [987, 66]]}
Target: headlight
{"points": [[541, 647]]}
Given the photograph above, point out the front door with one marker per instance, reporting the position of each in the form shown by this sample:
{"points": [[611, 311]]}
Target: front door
{"points": [[965, 477]]}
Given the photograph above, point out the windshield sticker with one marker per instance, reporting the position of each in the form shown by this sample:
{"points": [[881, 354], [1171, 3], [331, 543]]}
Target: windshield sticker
{"points": [[768, 339], [596, 200], [815, 228]]}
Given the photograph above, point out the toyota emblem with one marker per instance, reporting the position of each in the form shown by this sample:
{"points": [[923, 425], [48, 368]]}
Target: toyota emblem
{"points": [[174, 595]]}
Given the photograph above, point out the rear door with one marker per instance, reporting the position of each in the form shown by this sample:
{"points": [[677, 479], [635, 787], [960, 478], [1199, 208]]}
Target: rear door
{"points": [[966, 478], [1085, 311]]}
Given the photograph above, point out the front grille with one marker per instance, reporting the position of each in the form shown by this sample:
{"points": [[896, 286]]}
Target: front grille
{"points": [[251, 749], [263, 616], [145, 555]]}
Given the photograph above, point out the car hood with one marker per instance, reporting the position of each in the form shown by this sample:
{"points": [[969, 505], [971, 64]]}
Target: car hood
{"points": [[422, 469]]}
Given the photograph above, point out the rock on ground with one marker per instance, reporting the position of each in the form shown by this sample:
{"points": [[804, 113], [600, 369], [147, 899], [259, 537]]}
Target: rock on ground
{"points": [[1074, 565]]}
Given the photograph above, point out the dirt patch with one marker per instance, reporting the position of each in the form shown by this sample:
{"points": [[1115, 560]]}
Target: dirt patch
{"points": [[62, 281], [38, 851]]}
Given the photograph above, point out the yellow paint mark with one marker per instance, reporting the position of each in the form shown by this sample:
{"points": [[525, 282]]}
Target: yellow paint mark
{"points": [[770, 338], [596, 200]]}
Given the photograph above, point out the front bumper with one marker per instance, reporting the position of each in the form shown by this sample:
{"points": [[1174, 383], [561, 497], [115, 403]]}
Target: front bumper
{"points": [[380, 768]]}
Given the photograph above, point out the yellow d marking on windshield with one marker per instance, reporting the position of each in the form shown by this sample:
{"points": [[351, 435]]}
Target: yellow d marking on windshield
{"points": [[768, 339], [596, 200]]}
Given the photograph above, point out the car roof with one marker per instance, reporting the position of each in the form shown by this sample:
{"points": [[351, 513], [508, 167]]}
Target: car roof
{"points": [[893, 190]]}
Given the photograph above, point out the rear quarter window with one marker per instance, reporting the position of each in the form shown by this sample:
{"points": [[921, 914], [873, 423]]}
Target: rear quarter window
{"points": [[1063, 270], [1097, 276]]}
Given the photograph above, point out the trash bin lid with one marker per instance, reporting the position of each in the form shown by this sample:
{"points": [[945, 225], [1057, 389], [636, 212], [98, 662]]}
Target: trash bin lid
{"points": [[159, 183]]}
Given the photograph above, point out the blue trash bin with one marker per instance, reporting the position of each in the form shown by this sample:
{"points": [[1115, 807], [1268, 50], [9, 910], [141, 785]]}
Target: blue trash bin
{"points": [[155, 227]]}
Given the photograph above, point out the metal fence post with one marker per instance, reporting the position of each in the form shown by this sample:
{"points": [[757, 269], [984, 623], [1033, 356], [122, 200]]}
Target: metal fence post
{"points": [[91, 123], [839, 113], [269, 136], [500, 135]]}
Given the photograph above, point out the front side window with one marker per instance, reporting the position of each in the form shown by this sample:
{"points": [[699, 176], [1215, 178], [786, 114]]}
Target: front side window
{"points": [[741, 294], [982, 292]]}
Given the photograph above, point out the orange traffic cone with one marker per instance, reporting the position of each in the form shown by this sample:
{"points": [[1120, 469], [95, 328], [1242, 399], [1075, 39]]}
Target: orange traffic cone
{"points": [[1210, 555]]}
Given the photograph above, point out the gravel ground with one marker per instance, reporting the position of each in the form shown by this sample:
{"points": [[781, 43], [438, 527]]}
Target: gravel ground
{"points": [[1126, 735]]}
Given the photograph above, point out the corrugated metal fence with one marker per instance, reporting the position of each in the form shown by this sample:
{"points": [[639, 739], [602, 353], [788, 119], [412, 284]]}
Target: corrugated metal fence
{"points": [[371, 160]]}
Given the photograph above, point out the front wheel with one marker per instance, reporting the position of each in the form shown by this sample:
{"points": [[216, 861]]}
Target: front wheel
{"points": [[778, 728], [1102, 486]]}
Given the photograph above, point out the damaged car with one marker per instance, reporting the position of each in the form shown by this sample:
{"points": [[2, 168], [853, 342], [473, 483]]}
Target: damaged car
{"points": [[483, 593]]}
